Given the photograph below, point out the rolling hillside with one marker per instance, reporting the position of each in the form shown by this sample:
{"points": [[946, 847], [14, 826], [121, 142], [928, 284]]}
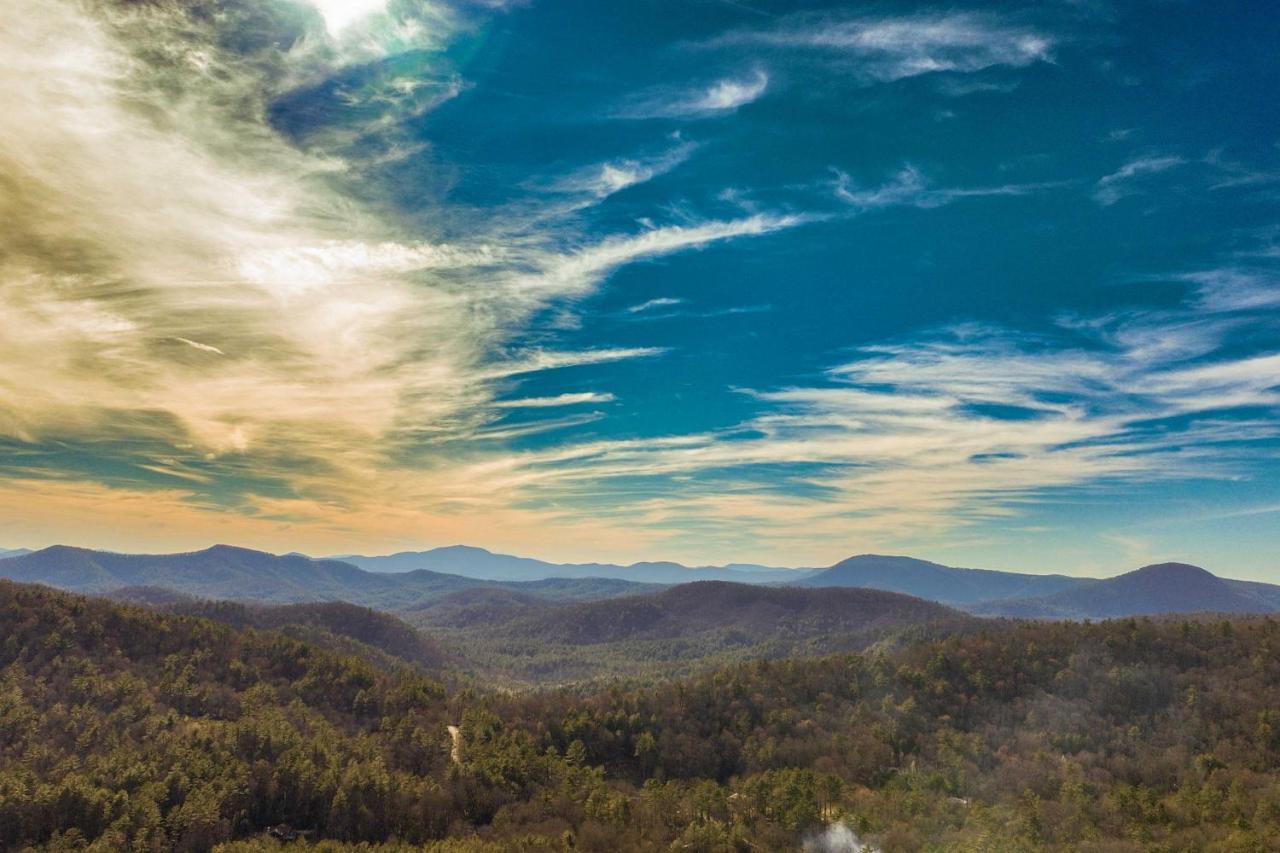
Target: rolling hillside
{"points": [[512, 640], [380, 638], [750, 613]]}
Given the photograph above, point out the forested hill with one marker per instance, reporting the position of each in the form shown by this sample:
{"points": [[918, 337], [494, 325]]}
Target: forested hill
{"points": [[678, 630], [338, 626], [134, 730], [750, 613]]}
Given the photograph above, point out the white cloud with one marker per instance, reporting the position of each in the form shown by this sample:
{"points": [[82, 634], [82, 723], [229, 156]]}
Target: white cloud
{"points": [[885, 49], [1236, 288], [604, 179], [539, 360], [558, 400], [199, 346], [910, 187], [660, 302], [722, 96], [578, 271]]}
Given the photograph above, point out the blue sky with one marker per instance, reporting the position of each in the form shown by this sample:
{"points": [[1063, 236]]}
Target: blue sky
{"points": [[994, 285]]}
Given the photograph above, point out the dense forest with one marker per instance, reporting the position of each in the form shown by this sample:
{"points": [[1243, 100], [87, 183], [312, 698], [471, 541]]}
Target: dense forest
{"points": [[122, 728]]}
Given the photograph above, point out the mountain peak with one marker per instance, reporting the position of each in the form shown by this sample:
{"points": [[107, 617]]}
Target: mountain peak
{"points": [[231, 549], [1174, 571], [1154, 589], [460, 550]]}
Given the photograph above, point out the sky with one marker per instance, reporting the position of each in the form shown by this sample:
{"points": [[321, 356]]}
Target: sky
{"points": [[996, 285]]}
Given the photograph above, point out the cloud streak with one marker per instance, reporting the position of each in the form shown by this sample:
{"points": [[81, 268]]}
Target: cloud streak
{"points": [[1115, 186], [722, 96], [887, 49]]}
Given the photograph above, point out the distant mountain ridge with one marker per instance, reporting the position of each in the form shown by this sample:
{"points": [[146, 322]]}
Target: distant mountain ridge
{"points": [[1162, 588], [1148, 591], [472, 562], [935, 582], [241, 574]]}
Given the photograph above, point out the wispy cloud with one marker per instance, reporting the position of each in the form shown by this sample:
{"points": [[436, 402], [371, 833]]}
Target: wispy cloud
{"points": [[540, 360], [722, 96], [602, 180], [660, 302], [910, 187], [576, 271], [1115, 186], [969, 424], [1234, 288], [199, 346], [891, 48], [575, 399]]}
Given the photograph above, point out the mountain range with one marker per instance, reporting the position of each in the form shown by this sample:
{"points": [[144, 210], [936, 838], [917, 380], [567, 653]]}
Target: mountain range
{"points": [[478, 563], [399, 583], [241, 574]]}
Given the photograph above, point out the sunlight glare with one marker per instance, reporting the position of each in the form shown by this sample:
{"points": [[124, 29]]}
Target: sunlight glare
{"points": [[339, 14]]}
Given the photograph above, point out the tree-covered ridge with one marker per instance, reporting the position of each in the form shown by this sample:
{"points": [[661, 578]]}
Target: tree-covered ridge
{"points": [[678, 631], [349, 629], [125, 729]]}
